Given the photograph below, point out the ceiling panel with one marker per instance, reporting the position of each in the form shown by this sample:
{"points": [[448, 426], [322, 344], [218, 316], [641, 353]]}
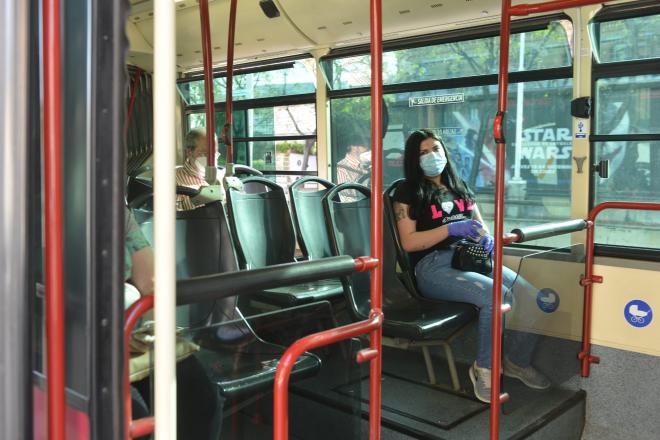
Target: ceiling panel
{"points": [[328, 23]]}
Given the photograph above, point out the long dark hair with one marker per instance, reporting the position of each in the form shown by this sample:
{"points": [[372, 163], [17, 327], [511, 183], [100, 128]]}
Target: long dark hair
{"points": [[426, 192]]}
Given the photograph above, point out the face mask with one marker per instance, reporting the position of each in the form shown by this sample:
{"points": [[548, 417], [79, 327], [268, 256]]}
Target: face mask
{"points": [[432, 164], [201, 161], [365, 160]]}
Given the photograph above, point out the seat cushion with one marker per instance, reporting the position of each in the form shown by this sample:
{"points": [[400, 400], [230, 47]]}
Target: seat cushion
{"points": [[322, 290], [426, 320], [251, 368]]}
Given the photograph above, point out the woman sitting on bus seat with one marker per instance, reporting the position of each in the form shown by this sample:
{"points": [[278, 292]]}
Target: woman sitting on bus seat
{"points": [[434, 209]]}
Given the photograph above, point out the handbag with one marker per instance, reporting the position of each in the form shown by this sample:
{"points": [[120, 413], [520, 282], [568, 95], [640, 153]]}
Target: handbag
{"points": [[471, 257]]}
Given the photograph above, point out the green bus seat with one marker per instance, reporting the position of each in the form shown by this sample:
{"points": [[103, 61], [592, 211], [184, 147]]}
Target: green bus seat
{"points": [[263, 236]]}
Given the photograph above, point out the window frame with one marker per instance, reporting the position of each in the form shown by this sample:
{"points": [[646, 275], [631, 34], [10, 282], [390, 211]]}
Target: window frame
{"points": [[245, 106], [485, 31], [620, 69]]}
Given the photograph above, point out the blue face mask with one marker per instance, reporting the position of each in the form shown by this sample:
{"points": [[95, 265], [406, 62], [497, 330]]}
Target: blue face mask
{"points": [[433, 164]]}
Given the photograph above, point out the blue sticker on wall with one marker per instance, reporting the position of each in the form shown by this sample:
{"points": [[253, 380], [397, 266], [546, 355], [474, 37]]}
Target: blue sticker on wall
{"points": [[547, 300], [638, 313]]}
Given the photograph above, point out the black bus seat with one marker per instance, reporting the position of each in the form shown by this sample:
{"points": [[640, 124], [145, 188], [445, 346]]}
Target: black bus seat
{"points": [[409, 321], [308, 217], [263, 235], [407, 273], [236, 360]]}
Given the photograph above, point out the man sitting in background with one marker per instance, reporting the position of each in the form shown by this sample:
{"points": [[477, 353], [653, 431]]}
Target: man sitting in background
{"points": [[193, 171]]}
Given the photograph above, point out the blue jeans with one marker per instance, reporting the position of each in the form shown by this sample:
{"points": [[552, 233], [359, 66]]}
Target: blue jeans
{"points": [[436, 279]]}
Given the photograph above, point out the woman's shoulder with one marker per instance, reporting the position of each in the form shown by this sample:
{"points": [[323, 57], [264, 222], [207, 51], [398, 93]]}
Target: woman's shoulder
{"points": [[404, 192]]}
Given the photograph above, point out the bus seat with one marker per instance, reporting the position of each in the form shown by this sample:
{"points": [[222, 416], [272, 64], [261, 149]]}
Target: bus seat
{"points": [[307, 213], [407, 274], [234, 358], [409, 320], [243, 172], [263, 235]]}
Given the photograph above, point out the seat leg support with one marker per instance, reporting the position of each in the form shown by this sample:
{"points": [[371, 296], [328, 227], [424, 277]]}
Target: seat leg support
{"points": [[455, 384], [429, 364]]}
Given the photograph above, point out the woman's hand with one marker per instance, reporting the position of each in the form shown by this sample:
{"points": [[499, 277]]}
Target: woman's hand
{"points": [[488, 242], [465, 229]]}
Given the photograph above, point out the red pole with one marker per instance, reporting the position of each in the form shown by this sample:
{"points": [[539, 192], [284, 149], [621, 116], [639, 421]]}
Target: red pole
{"points": [[133, 313], [131, 105], [498, 133], [285, 366], [589, 278], [376, 213], [53, 218], [227, 130], [208, 82]]}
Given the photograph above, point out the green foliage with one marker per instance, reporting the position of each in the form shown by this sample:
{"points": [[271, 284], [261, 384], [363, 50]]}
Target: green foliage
{"points": [[286, 147]]}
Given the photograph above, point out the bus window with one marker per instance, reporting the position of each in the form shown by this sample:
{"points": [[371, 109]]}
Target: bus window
{"points": [[627, 127]]}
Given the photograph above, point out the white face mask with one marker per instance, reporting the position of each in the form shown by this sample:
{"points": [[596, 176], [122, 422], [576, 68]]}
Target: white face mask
{"points": [[433, 164], [365, 160], [201, 161]]}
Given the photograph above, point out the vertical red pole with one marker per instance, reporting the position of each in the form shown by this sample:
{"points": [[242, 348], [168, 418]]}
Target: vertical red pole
{"points": [[376, 212], [228, 131], [586, 311], [498, 133], [53, 217], [208, 82]]}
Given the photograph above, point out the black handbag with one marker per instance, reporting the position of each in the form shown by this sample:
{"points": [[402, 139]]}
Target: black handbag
{"points": [[471, 257]]}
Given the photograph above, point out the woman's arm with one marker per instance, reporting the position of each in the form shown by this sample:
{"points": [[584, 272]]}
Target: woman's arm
{"points": [[142, 274], [411, 239]]}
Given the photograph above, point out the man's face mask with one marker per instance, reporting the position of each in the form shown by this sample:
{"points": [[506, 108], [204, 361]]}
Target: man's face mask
{"points": [[201, 161], [433, 163], [365, 160]]}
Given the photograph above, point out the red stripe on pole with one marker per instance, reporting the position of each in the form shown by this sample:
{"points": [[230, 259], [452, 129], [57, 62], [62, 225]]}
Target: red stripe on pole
{"points": [[53, 218], [498, 131], [131, 105], [208, 82], [376, 213], [228, 131]]}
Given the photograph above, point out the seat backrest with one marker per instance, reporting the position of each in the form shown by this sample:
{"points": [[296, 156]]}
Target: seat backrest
{"points": [[203, 247], [261, 225], [308, 216], [349, 229], [402, 256], [348, 226]]}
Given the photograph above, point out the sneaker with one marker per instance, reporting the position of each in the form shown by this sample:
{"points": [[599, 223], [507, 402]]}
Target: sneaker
{"points": [[530, 376], [480, 378]]}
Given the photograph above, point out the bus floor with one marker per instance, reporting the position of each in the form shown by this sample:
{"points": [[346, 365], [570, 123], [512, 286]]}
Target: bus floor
{"points": [[334, 404]]}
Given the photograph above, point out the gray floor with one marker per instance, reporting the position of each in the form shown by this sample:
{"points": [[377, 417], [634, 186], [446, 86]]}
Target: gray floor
{"points": [[623, 396]]}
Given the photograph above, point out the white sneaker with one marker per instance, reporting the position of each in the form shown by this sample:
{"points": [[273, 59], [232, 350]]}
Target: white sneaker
{"points": [[480, 378], [530, 376]]}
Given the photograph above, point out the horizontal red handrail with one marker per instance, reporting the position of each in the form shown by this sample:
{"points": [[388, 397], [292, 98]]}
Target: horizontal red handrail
{"points": [[316, 340], [142, 426], [526, 9], [589, 278]]}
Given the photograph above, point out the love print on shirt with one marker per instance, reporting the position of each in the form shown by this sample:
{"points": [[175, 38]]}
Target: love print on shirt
{"points": [[448, 207]]}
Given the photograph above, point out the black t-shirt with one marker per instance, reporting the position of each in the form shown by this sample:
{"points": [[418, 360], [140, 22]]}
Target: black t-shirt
{"points": [[451, 208]]}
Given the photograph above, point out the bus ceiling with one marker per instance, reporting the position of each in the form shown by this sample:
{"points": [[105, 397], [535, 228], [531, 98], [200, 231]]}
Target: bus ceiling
{"points": [[301, 26]]}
